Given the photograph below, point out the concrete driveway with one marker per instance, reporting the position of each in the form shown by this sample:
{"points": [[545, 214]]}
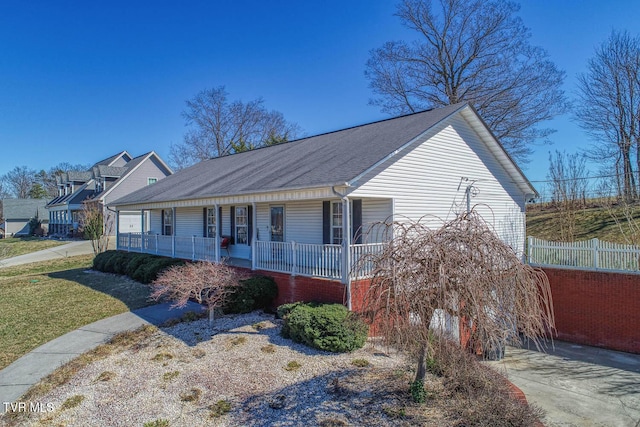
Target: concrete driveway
{"points": [[578, 385], [78, 247]]}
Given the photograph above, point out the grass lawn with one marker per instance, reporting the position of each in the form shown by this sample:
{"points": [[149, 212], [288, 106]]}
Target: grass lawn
{"points": [[591, 222], [42, 301], [14, 246]]}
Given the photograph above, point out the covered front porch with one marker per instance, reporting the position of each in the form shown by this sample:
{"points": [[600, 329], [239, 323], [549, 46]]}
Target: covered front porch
{"points": [[330, 261]]}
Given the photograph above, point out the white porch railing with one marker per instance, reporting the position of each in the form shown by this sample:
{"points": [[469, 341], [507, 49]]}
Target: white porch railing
{"points": [[588, 254], [302, 259]]}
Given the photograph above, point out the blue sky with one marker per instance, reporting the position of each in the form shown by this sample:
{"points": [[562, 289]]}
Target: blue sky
{"points": [[80, 81]]}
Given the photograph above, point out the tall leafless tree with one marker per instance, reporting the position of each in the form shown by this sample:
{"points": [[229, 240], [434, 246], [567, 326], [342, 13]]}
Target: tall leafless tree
{"points": [[568, 180], [609, 107], [218, 127], [461, 269], [19, 181], [470, 50]]}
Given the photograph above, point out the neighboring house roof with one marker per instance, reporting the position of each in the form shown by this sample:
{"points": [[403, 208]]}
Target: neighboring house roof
{"points": [[131, 166], [110, 171], [110, 160], [102, 169], [79, 176], [329, 159], [24, 209]]}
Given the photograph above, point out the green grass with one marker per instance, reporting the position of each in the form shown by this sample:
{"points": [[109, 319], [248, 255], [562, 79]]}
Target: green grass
{"points": [[591, 222], [14, 246], [42, 301]]}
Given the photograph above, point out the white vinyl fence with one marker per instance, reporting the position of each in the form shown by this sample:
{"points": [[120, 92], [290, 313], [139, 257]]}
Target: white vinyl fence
{"points": [[589, 254]]}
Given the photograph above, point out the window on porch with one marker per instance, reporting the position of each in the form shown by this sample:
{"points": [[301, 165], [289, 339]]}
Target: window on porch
{"points": [[277, 224], [241, 222], [336, 223], [211, 222], [167, 222]]}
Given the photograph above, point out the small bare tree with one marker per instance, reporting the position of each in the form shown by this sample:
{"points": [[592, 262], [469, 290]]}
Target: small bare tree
{"points": [[95, 227], [206, 282], [462, 270], [568, 186]]}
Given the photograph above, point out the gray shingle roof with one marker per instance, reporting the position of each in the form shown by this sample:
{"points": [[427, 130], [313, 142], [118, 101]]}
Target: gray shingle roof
{"points": [[109, 160], [24, 208], [112, 171], [79, 176], [323, 160]]}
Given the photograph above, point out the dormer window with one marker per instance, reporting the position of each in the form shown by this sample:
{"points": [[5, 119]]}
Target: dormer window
{"points": [[151, 181]]}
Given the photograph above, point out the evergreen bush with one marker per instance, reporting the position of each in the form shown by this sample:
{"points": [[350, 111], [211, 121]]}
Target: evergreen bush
{"points": [[255, 293], [329, 327]]}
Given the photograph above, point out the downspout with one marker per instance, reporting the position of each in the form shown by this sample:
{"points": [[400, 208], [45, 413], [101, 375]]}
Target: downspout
{"points": [[346, 244]]}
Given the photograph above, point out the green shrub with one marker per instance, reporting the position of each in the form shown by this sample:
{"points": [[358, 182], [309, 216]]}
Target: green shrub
{"points": [[329, 327], [282, 312], [101, 259], [254, 293], [135, 261], [141, 267]]}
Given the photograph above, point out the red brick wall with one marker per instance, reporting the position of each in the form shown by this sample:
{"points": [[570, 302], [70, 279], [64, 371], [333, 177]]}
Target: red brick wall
{"points": [[597, 308], [301, 288]]}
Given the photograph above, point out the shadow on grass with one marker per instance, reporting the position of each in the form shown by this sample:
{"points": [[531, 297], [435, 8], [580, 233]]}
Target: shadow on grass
{"points": [[133, 294]]}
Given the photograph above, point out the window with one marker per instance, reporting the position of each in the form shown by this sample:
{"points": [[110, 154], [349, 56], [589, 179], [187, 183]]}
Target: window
{"points": [[336, 223], [167, 222], [211, 222], [151, 181], [242, 230], [277, 223]]}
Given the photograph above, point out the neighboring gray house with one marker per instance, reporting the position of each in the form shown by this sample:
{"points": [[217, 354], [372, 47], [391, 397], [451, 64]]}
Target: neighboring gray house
{"points": [[303, 207], [18, 213], [105, 181]]}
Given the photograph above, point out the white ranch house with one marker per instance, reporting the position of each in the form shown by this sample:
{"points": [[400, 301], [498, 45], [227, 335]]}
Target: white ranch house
{"points": [[301, 207]]}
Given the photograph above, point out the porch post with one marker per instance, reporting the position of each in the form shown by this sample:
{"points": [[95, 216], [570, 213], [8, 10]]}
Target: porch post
{"points": [[173, 233], [118, 231], [254, 226], [216, 249]]}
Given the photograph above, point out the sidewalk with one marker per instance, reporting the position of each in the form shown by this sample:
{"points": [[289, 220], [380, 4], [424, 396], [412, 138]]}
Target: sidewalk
{"points": [[18, 377], [577, 385]]}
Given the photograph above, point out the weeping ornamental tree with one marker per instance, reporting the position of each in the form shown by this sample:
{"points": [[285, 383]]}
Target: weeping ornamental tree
{"points": [[462, 269]]}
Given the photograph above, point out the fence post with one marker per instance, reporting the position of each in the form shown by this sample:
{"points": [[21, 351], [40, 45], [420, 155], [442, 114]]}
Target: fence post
{"points": [[293, 258], [595, 253], [173, 246], [529, 249], [193, 248], [129, 244], [156, 244]]}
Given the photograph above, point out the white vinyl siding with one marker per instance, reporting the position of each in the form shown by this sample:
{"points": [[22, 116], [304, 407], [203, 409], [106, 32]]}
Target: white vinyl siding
{"points": [[425, 181], [156, 221], [375, 212], [189, 222]]}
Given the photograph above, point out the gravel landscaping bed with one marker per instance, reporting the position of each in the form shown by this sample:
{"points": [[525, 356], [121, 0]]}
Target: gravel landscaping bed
{"points": [[241, 373]]}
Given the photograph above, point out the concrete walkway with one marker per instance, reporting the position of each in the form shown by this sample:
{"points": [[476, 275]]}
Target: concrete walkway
{"points": [[79, 247], [18, 377], [578, 385]]}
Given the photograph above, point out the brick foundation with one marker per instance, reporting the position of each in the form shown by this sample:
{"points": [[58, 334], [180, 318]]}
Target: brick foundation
{"points": [[596, 308]]}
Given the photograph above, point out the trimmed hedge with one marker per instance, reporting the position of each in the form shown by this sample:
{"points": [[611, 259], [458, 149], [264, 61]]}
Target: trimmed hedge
{"points": [[141, 267], [329, 327], [257, 292]]}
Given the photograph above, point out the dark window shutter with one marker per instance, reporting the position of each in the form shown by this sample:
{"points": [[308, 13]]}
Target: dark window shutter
{"points": [[232, 210], [326, 222], [356, 225], [205, 229], [220, 220], [249, 224], [162, 222]]}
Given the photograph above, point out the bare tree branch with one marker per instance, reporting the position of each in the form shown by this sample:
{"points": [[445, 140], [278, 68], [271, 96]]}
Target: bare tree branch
{"points": [[470, 50]]}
